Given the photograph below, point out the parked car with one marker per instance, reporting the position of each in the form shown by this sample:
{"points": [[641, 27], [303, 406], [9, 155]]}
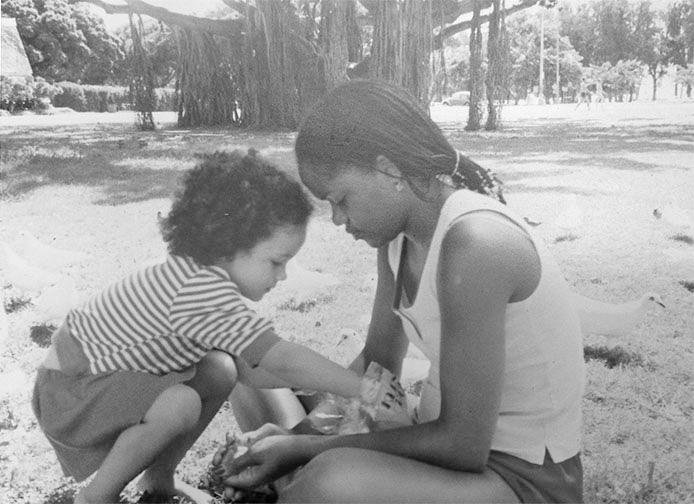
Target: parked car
{"points": [[458, 98]]}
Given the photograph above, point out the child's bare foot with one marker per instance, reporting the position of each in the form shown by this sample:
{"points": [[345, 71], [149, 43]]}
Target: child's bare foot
{"points": [[161, 489], [82, 497]]}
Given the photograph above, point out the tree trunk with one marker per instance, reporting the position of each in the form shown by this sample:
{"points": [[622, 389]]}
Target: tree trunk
{"points": [[476, 77], [497, 68], [654, 76], [402, 42], [142, 78], [266, 65]]}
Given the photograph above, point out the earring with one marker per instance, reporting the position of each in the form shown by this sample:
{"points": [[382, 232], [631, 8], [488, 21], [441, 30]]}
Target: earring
{"points": [[398, 186]]}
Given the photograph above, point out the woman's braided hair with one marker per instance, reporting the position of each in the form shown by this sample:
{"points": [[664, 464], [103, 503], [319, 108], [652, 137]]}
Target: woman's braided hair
{"points": [[361, 119]]}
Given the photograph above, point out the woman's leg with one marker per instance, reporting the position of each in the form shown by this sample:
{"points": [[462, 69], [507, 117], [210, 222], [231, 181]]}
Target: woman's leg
{"points": [[175, 411], [214, 380], [356, 475]]}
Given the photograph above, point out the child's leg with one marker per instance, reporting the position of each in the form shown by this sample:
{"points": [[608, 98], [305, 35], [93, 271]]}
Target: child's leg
{"points": [[175, 411], [214, 380], [255, 407], [355, 475]]}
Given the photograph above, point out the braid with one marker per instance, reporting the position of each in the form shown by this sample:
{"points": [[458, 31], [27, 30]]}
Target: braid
{"points": [[469, 175]]}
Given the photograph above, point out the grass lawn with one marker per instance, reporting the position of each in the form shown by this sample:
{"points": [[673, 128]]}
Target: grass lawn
{"points": [[93, 183]]}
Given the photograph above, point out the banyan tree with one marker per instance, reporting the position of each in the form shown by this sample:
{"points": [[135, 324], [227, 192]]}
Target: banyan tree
{"points": [[269, 60]]}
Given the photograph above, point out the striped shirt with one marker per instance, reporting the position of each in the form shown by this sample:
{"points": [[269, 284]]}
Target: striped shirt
{"points": [[166, 318]]}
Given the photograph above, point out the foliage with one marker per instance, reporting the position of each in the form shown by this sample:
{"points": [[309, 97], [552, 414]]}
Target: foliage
{"points": [[614, 30], [680, 32], [162, 52], [684, 76], [617, 81], [71, 96], [63, 41], [523, 30], [90, 98], [24, 93]]}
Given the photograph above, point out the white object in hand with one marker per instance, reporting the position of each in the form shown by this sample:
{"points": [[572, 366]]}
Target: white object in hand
{"points": [[47, 256], [415, 366], [23, 275], [613, 319]]}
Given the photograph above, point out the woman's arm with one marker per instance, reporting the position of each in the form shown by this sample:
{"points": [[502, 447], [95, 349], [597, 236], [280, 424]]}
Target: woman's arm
{"points": [[386, 342], [482, 267]]}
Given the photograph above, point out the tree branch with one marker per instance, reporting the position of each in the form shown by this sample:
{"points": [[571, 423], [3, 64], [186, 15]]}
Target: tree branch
{"points": [[224, 27], [465, 25]]}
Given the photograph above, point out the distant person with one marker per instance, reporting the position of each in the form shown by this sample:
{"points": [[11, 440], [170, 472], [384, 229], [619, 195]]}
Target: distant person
{"points": [[599, 96], [584, 95], [133, 376], [461, 277]]}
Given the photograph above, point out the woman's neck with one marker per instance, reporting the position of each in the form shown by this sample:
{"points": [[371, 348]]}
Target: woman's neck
{"points": [[424, 215]]}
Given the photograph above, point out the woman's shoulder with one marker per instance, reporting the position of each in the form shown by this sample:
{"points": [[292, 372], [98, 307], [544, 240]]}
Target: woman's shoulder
{"points": [[485, 243]]}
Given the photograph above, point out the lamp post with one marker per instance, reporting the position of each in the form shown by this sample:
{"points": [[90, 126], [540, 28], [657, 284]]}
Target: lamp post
{"points": [[541, 89], [558, 90]]}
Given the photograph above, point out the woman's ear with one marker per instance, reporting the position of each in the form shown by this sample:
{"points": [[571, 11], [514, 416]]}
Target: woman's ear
{"points": [[385, 165]]}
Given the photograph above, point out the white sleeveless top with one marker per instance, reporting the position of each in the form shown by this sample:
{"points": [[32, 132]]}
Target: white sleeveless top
{"points": [[544, 370]]}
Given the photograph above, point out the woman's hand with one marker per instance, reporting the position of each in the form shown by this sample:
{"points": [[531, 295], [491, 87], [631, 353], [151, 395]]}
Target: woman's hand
{"points": [[265, 461], [268, 429]]}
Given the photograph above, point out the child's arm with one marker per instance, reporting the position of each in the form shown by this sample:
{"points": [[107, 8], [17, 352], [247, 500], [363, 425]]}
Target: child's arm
{"points": [[301, 367]]}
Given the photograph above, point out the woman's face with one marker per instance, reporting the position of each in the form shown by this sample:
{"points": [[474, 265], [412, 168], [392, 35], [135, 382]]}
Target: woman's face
{"points": [[365, 201]]}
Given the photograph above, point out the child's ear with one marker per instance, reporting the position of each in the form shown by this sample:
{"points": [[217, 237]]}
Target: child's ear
{"points": [[385, 165]]}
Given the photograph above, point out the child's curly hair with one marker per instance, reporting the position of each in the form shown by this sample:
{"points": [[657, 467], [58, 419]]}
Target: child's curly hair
{"points": [[230, 202]]}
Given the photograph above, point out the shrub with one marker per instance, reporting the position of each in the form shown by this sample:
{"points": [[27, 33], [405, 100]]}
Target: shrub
{"points": [[92, 98], [106, 98], [23, 93], [71, 96]]}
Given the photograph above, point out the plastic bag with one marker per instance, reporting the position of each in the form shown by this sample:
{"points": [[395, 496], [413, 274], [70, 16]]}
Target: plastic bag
{"points": [[382, 404]]}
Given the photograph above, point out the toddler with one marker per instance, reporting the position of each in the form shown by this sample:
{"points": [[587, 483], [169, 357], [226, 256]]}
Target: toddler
{"points": [[134, 376]]}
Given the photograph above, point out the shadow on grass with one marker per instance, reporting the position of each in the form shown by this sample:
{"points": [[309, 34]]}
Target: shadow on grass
{"points": [[131, 166], [612, 356], [121, 184], [127, 166], [579, 145]]}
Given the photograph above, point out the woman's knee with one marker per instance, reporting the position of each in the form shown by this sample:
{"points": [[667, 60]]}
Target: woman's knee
{"points": [[216, 375], [332, 476]]}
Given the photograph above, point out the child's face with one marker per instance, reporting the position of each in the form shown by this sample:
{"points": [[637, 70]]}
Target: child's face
{"points": [[257, 270]]}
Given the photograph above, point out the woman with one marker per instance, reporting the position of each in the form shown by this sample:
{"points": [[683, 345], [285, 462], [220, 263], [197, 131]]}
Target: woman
{"points": [[460, 277]]}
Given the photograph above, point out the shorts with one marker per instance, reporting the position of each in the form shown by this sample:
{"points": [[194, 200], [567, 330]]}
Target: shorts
{"points": [[83, 415], [549, 482]]}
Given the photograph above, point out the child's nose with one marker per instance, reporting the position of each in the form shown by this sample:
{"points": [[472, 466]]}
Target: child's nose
{"points": [[339, 217], [281, 274]]}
